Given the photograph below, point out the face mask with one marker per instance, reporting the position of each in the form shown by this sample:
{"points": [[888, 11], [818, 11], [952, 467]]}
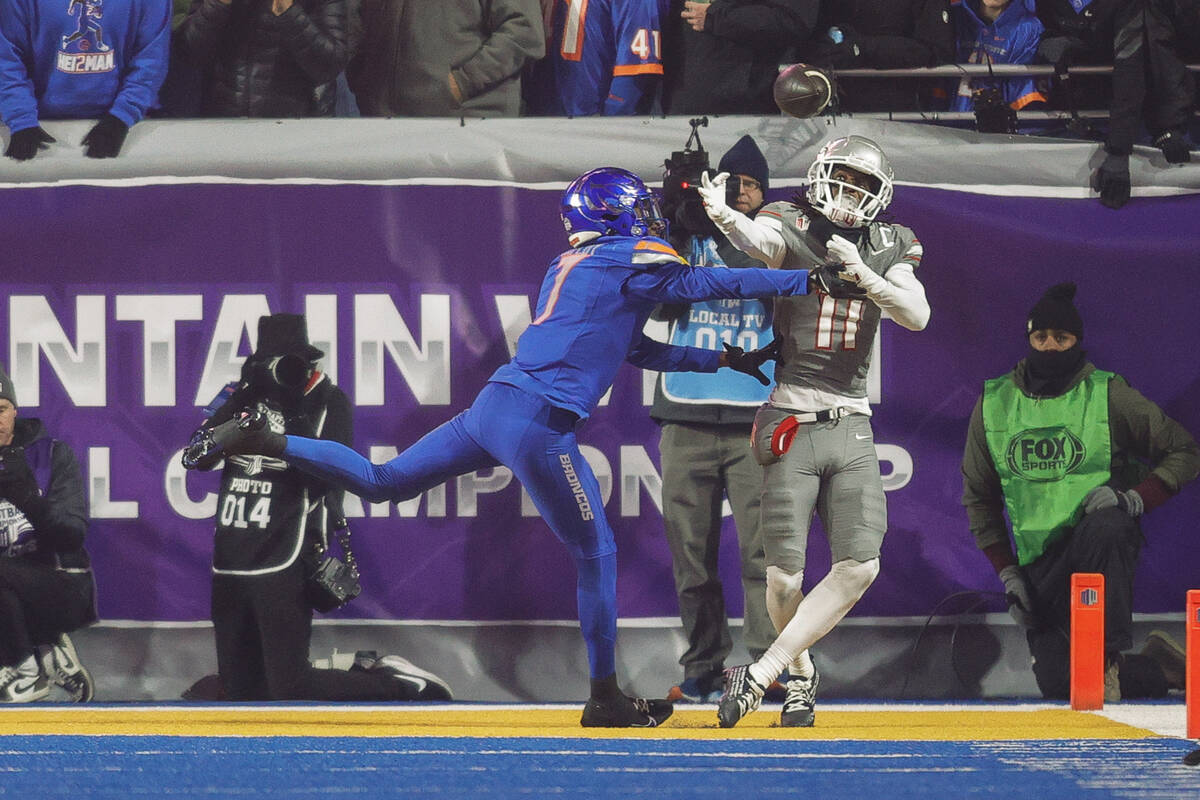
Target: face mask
{"points": [[1049, 371]]}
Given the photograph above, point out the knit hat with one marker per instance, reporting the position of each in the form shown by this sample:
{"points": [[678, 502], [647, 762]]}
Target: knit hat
{"points": [[285, 334], [7, 390], [1056, 311], [744, 158]]}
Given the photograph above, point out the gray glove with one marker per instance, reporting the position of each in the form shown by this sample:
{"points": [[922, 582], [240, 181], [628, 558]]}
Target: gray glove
{"points": [[1106, 497], [1020, 601]]}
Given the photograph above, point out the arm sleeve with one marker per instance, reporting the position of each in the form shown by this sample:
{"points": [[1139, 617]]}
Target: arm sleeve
{"points": [[515, 35], [1140, 427], [18, 103], [648, 353], [686, 284], [759, 237], [144, 74], [61, 521], [337, 464], [982, 495], [318, 43], [900, 295], [770, 23]]}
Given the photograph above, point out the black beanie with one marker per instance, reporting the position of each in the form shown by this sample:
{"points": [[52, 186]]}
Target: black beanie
{"points": [[1056, 311], [744, 158], [7, 390]]}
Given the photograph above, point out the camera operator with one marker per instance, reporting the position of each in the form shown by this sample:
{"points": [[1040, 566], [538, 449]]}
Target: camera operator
{"points": [[46, 584], [272, 520], [706, 420]]}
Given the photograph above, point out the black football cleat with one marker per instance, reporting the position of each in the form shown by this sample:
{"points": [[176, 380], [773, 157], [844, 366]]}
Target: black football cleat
{"points": [[625, 712]]}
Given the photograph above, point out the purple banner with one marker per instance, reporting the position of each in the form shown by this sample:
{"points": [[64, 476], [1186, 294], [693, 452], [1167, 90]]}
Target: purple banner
{"points": [[127, 308]]}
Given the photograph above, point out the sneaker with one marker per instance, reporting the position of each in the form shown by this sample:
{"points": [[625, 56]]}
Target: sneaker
{"points": [[18, 687], [742, 695], [625, 712], [428, 685], [692, 691], [67, 671], [799, 705], [1170, 657], [1112, 681]]}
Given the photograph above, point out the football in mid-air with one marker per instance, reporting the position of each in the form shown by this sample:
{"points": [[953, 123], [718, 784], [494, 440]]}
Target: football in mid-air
{"points": [[803, 91]]}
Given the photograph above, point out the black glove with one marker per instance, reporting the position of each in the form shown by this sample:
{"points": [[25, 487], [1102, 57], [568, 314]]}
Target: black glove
{"points": [[247, 432], [106, 138], [1111, 180], [826, 279], [24, 144], [1174, 147], [739, 360], [1058, 50], [17, 483]]}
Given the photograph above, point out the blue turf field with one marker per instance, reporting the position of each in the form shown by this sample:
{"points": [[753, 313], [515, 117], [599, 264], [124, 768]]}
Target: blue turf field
{"points": [[302, 767]]}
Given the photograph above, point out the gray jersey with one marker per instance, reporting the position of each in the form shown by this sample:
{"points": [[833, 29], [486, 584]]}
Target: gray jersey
{"points": [[827, 343]]}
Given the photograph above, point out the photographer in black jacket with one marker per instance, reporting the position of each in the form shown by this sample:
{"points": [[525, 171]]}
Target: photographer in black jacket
{"points": [[272, 520], [46, 585]]}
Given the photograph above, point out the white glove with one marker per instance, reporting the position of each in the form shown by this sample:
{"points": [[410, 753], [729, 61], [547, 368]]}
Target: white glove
{"points": [[1020, 602], [844, 252], [1103, 497], [712, 194]]}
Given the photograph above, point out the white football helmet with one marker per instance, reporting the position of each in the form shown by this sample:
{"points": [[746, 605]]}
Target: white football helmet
{"points": [[843, 203]]}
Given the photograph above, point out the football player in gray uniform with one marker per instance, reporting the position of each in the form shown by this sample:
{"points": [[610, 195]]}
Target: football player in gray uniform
{"points": [[813, 437]]}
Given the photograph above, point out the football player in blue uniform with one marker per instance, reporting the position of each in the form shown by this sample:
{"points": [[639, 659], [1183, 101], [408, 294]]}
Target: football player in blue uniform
{"points": [[593, 304]]}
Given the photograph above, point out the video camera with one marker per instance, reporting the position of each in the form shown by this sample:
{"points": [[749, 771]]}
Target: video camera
{"points": [[681, 175], [288, 372]]}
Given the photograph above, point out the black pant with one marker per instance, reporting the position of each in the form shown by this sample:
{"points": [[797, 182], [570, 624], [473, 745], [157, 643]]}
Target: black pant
{"points": [[263, 627], [1107, 542], [37, 603]]}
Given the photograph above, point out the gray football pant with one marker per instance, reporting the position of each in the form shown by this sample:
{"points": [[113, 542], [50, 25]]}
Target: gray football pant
{"points": [[701, 465], [832, 468]]}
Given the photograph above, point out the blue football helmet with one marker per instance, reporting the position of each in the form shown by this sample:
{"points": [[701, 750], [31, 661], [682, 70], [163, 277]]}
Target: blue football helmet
{"points": [[610, 200]]}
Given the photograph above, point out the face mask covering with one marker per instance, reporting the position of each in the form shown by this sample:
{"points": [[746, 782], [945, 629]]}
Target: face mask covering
{"points": [[1047, 372]]}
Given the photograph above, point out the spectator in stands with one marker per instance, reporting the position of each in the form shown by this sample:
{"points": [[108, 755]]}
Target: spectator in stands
{"points": [[1078, 510], [462, 58], [882, 34], [80, 59], [996, 32], [271, 521], [46, 584], [266, 59], [604, 58], [706, 421], [1146, 41], [723, 57]]}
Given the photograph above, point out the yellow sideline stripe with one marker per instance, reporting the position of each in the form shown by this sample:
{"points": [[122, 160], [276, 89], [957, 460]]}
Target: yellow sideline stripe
{"points": [[887, 725]]}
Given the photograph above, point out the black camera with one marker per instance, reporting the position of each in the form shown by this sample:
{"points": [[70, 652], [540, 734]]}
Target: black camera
{"points": [[992, 114], [288, 372], [681, 175]]}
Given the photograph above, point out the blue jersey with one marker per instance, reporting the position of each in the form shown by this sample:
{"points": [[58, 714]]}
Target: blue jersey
{"points": [[742, 322], [603, 57], [593, 304], [78, 59], [1012, 39]]}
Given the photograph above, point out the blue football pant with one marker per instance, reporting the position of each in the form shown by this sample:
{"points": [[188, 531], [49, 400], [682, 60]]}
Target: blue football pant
{"points": [[510, 427]]}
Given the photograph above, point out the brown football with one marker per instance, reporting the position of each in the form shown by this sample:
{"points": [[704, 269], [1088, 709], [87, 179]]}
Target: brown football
{"points": [[803, 91]]}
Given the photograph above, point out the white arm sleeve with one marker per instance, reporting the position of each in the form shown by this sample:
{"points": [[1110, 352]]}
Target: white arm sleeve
{"points": [[900, 295], [759, 237]]}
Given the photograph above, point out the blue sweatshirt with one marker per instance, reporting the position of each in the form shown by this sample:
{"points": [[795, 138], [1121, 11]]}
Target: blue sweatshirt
{"points": [[593, 304], [1012, 39], [79, 59]]}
